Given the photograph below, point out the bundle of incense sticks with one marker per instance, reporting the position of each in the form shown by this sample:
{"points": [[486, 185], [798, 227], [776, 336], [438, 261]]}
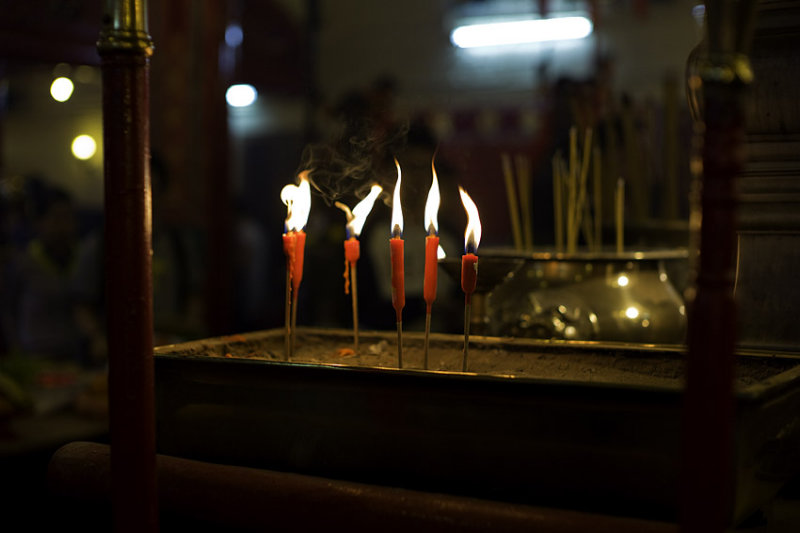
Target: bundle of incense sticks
{"points": [[572, 210], [520, 208]]}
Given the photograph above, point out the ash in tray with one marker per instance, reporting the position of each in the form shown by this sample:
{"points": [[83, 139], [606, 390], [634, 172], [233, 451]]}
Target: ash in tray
{"points": [[510, 357]]}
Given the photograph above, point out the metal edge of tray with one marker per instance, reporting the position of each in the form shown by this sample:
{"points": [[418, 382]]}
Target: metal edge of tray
{"points": [[758, 391]]}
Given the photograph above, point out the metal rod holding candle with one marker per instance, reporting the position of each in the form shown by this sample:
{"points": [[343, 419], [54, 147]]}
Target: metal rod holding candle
{"points": [[352, 248], [289, 241], [297, 199], [396, 247], [431, 255], [469, 265]]}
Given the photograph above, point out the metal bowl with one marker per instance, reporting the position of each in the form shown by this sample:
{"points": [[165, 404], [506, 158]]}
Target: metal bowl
{"points": [[628, 297]]}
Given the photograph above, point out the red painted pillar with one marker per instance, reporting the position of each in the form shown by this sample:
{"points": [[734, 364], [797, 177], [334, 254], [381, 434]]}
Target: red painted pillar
{"points": [[707, 491], [125, 48]]}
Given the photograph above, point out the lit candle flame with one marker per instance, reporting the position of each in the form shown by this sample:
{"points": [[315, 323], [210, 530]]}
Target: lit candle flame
{"points": [[362, 210], [297, 199], [432, 206], [397, 211], [440, 252], [472, 235]]}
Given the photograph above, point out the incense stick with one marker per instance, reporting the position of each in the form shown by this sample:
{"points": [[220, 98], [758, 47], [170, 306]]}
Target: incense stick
{"points": [[427, 337], [354, 286], [557, 203], [524, 183], [467, 316], [572, 186], [580, 208], [511, 194]]}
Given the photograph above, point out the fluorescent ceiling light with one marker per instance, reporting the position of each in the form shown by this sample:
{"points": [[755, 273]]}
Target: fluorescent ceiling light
{"points": [[521, 32]]}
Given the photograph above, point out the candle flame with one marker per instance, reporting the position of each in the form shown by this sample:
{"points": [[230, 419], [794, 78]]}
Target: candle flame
{"points": [[472, 235], [440, 252], [432, 205], [397, 210], [362, 210], [297, 199]]}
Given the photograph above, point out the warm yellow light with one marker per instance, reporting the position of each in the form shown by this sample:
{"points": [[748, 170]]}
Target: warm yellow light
{"points": [[397, 210], [623, 280], [362, 210], [84, 147], [297, 199], [440, 252], [472, 235], [61, 89], [631, 312], [432, 206]]}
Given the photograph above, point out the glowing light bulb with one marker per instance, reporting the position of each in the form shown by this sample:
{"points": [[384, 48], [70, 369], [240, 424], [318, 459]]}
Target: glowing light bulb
{"points": [[84, 147], [241, 95], [61, 89]]}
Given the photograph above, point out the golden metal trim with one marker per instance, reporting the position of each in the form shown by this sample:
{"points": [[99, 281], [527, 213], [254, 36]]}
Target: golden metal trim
{"points": [[726, 69], [125, 27]]}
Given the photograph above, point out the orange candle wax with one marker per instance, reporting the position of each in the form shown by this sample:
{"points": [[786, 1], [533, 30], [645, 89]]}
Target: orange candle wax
{"points": [[352, 250], [469, 275], [299, 253], [431, 269], [398, 276]]}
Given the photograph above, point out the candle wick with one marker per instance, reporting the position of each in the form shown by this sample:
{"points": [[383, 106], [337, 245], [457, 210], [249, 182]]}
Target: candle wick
{"points": [[396, 231]]}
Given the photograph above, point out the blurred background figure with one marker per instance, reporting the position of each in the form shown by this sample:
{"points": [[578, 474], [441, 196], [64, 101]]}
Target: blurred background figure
{"points": [[39, 312]]}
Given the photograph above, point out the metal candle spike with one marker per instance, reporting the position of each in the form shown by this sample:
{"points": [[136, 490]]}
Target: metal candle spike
{"points": [[469, 265]]}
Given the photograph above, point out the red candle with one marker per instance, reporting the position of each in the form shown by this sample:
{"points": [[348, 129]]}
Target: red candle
{"points": [[431, 269], [472, 237], [469, 275], [398, 276], [299, 254], [289, 243], [398, 267], [469, 265], [431, 242], [352, 250], [396, 247], [297, 199]]}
